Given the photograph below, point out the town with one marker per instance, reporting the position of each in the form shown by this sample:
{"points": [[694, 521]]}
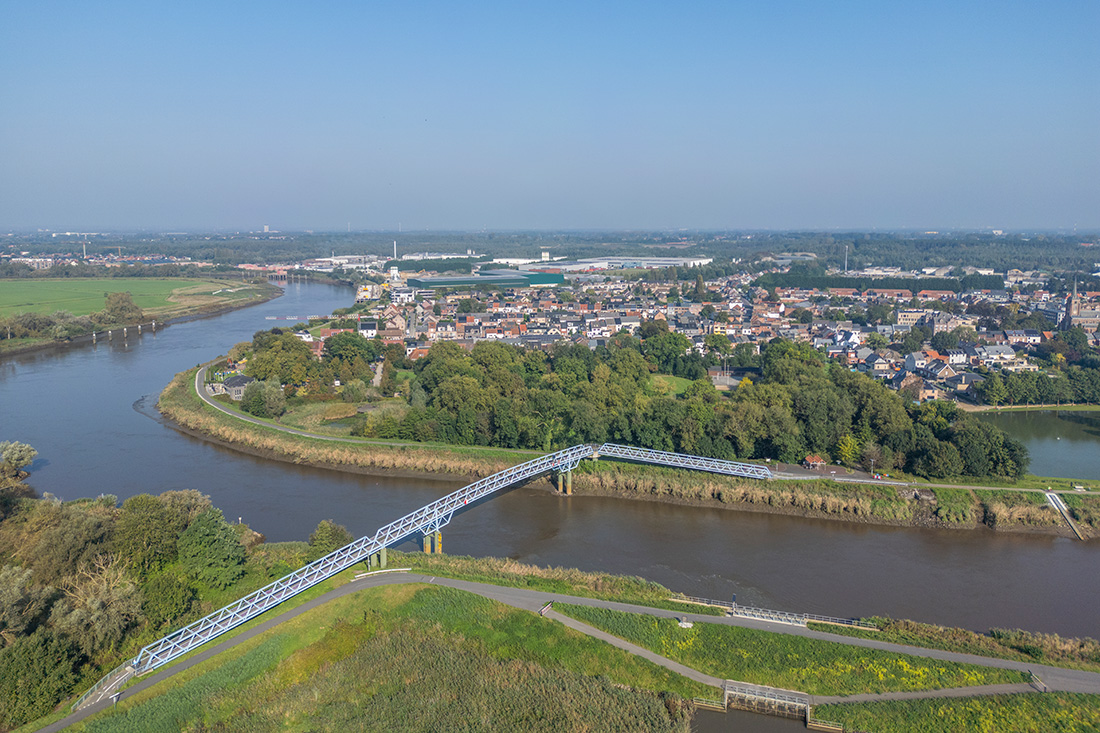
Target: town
{"points": [[926, 342]]}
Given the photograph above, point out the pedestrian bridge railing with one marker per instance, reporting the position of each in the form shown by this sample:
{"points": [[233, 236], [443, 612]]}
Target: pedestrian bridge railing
{"points": [[426, 520], [767, 614]]}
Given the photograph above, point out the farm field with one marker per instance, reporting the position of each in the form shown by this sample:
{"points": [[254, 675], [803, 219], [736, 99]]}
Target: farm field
{"points": [[81, 296]]}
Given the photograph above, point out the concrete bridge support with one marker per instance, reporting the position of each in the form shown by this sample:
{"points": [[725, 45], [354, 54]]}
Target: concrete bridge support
{"points": [[377, 560], [433, 543], [565, 482]]}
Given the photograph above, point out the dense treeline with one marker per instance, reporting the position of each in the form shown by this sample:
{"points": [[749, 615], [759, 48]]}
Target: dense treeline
{"points": [[915, 251], [908, 251], [84, 583], [1038, 388], [800, 278], [503, 396]]}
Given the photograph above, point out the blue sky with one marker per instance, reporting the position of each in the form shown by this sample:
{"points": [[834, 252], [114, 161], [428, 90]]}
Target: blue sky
{"points": [[425, 115]]}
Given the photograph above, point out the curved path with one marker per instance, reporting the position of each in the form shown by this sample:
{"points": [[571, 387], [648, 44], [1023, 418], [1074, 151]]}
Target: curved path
{"points": [[790, 474], [1055, 678]]}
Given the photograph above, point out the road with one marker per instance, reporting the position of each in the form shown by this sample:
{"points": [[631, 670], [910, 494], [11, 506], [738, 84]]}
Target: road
{"points": [[791, 472], [1055, 678]]}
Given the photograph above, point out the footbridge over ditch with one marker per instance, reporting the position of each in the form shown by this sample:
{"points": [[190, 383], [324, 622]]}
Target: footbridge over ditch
{"points": [[426, 521]]}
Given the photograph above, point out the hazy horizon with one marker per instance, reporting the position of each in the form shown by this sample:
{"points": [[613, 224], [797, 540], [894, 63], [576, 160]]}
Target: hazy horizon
{"points": [[789, 116]]}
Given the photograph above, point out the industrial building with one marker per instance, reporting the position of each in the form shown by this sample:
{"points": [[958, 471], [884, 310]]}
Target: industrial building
{"points": [[485, 278]]}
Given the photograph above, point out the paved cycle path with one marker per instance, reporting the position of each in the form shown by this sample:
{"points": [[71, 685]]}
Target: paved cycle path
{"points": [[1055, 678]]}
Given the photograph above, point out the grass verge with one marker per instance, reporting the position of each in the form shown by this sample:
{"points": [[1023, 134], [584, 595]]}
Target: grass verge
{"points": [[1023, 646], [1057, 712], [790, 662], [415, 657]]}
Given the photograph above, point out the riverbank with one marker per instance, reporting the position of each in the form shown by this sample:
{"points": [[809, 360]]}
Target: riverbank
{"points": [[951, 508], [189, 306]]}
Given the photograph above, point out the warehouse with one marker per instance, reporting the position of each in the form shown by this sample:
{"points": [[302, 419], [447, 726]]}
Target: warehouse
{"points": [[487, 278]]}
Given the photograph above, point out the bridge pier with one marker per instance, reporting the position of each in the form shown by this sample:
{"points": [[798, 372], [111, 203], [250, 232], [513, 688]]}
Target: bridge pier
{"points": [[377, 560], [433, 543], [565, 482]]}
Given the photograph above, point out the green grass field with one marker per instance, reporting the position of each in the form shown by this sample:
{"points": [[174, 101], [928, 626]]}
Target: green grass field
{"points": [[81, 296], [417, 658], [667, 384], [791, 662], [1058, 712]]}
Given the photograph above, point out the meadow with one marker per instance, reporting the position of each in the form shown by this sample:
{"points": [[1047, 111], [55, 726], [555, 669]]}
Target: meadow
{"points": [[1055, 712], [1014, 644], [790, 662], [414, 657], [82, 296]]}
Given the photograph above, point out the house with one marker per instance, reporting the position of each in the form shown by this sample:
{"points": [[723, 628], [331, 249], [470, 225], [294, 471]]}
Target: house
{"points": [[814, 461], [234, 386]]}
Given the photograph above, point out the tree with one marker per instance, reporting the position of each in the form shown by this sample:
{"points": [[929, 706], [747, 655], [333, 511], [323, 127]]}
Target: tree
{"points": [[355, 391], [210, 552], [36, 672], [992, 391], [166, 597], [847, 449], [99, 605], [264, 399], [718, 343], [327, 537], [944, 341], [346, 347], [876, 341], [239, 351], [23, 605], [284, 358], [120, 308], [437, 309], [145, 534], [15, 456]]}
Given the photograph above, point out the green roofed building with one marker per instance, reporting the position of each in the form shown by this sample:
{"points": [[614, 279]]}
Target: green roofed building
{"points": [[497, 278]]}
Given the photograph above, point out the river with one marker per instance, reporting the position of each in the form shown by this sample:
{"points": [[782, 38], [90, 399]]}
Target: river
{"points": [[90, 412], [1062, 443]]}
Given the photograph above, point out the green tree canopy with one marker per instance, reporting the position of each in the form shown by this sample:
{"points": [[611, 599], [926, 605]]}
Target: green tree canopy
{"points": [[145, 533], [210, 551]]}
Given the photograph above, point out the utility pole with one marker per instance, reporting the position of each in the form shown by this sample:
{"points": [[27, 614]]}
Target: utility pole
{"points": [[845, 259]]}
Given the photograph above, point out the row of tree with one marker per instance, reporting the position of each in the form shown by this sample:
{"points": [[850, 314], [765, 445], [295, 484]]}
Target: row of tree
{"points": [[85, 583], [500, 395]]}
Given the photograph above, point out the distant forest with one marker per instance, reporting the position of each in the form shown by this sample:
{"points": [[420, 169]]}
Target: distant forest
{"points": [[908, 251]]}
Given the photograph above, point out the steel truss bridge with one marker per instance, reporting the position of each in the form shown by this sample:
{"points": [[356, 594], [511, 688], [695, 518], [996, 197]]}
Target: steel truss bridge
{"points": [[424, 521]]}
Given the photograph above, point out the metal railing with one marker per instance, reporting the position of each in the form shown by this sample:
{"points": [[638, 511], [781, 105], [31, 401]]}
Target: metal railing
{"points": [[681, 460], [768, 614], [115, 678], [426, 520], [739, 690], [429, 518]]}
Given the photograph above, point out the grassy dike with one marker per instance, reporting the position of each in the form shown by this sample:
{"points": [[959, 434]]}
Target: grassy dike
{"points": [[1055, 712], [1022, 646], [789, 662], [414, 657], [865, 503]]}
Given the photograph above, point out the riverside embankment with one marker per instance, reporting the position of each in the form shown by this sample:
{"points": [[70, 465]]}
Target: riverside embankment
{"points": [[185, 402]]}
